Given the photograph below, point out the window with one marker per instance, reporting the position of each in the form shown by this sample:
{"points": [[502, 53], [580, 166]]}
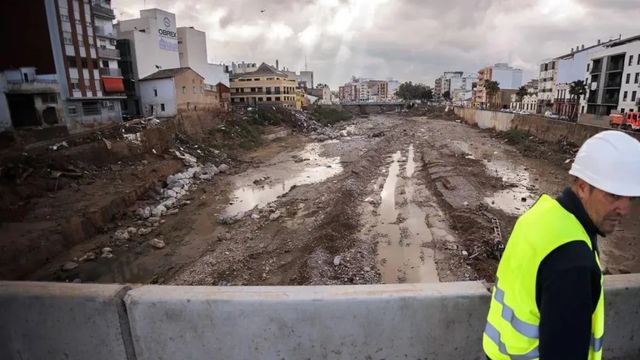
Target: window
{"points": [[90, 108], [71, 61], [622, 111], [95, 64], [75, 84], [64, 17], [630, 60], [633, 95], [259, 99], [155, 92], [588, 65], [161, 107], [67, 37], [194, 89], [184, 90], [73, 110], [624, 96], [635, 81], [256, 79], [277, 98], [49, 98], [628, 78], [105, 63], [268, 98]]}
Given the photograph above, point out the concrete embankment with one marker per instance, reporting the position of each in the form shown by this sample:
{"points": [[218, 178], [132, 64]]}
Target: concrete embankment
{"points": [[413, 321], [540, 127]]}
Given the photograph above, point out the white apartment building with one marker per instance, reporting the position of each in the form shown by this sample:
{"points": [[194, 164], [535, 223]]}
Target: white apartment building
{"points": [[192, 52], [555, 75], [613, 78], [242, 67], [508, 77], [147, 44]]}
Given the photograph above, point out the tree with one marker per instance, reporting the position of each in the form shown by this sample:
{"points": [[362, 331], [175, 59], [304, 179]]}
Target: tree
{"points": [[492, 88], [576, 90], [408, 91], [447, 95], [521, 93]]}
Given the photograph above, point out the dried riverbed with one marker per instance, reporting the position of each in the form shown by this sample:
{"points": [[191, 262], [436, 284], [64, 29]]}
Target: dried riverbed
{"points": [[391, 199]]}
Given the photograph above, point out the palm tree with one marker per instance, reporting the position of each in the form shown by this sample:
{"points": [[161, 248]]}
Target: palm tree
{"points": [[492, 88], [576, 90]]}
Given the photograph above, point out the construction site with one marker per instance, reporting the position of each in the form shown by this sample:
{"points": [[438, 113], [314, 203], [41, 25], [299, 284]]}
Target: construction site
{"points": [[333, 196]]}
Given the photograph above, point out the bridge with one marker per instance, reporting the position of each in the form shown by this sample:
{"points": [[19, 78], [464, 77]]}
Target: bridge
{"points": [[367, 107]]}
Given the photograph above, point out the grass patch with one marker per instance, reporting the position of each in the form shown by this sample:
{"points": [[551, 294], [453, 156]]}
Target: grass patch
{"points": [[330, 116], [514, 136]]}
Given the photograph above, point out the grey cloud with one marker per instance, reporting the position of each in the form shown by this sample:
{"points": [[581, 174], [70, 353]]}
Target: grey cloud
{"points": [[410, 40]]}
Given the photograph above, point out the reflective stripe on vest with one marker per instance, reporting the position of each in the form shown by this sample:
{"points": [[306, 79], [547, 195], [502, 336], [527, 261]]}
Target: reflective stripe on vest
{"points": [[529, 330]]}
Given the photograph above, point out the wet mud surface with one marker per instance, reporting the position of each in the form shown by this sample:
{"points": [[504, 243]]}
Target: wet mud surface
{"points": [[392, 199]]}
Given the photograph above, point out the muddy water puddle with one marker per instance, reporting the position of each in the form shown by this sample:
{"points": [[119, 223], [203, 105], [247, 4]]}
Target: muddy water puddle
{"points": [[260, 186], [516, 199], [405, 245]]}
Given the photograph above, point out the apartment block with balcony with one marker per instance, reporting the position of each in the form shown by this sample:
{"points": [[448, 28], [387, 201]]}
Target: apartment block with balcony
{"points": [[110, 74], [266, 86], [612, 83], [61, 43]]}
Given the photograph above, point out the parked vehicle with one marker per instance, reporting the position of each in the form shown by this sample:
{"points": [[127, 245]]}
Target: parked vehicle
{"points": [[626, 121], [632, 121], [551, 115], [617, 121]]}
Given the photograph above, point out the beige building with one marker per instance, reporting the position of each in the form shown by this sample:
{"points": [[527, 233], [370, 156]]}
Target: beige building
{"points": [[265, 86], [169, 92]]}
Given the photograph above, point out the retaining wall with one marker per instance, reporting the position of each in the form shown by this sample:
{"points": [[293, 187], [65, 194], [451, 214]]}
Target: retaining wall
{"points": [[539, 126], [408, 321]]}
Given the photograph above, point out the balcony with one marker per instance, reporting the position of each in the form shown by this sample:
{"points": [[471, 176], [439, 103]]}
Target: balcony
{"points": [[106, 53], [110, 72], [103, 32], [40, 86], [101, 10]]}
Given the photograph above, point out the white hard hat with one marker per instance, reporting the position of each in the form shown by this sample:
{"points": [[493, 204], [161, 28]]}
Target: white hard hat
{"points": [[610, 161]]}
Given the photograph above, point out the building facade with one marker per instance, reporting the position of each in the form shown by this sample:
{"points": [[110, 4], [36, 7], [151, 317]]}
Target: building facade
{"points": [[149, 43], [507, 77], [556, 74], [266, 86], [170, 92], [192, 52], [61, 45], [613, 78]]}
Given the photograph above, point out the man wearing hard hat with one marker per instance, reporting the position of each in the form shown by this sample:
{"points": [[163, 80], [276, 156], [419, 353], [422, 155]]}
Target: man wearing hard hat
{"points": [[548, 302]]}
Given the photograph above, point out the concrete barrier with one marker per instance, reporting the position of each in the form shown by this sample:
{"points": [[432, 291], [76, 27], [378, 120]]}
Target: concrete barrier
{"points": [[539, 126], [412, 321], [63, 321], [485, 119], [407, 321]]}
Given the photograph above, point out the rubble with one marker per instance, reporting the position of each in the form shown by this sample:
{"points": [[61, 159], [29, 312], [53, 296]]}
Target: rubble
{"points": [[106, 253], [275, 216], [69, 265], [157, 243], [121, 235], [88, 257]]}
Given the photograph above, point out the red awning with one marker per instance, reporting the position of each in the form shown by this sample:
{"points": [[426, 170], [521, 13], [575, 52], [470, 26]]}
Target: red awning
{"points": [[113, 84]]}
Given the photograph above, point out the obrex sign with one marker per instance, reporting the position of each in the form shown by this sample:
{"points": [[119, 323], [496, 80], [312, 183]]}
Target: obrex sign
{"points": [[167, 33]]}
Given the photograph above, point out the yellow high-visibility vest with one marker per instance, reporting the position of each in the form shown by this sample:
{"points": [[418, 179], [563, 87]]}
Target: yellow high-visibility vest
{"points": [[512, 323]]}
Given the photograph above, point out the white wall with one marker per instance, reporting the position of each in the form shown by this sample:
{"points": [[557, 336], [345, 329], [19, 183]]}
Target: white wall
{"points": [[151, 104], [192, 49], [632, 49], [151, 48], [507, 78]]}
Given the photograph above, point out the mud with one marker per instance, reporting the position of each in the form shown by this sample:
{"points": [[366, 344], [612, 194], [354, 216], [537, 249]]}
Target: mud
{"points": [[389, 198]]}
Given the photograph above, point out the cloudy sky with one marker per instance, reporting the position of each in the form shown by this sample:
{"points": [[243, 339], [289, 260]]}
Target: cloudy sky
{"points": [[403, 39]]}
